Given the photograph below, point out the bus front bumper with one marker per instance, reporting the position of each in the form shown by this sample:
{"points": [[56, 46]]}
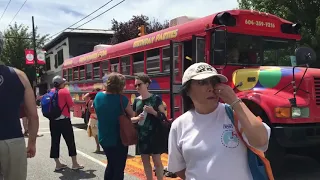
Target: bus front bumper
{"points": [[301, 135]]}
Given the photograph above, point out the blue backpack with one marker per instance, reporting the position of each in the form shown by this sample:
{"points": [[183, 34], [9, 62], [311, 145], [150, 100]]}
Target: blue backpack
{"points": [[50, 106], [259, 165]]}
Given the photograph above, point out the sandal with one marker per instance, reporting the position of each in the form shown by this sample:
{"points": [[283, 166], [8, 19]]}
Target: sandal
{"points": [[77, 168], [63, 166]]}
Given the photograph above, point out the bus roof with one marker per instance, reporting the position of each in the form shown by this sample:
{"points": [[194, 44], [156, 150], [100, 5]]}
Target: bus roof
{"points": [[178, 33]]}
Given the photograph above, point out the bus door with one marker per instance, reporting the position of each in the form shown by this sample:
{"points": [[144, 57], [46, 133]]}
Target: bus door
{"points": [[175, 79], [198, 49]]}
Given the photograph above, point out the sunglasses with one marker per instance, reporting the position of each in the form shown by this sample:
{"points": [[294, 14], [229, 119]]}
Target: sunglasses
{"points": [[209, 81], [138, 85]]}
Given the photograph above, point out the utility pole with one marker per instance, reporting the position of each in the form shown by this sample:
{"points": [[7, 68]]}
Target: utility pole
{"points": [[35, 53]]}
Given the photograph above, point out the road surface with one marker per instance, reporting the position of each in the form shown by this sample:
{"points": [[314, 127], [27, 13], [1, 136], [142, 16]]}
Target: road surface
{"points": [[42, 167]]}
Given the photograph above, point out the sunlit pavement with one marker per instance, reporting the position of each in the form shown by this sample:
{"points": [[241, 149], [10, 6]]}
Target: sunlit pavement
{"points": [[42, 167]]}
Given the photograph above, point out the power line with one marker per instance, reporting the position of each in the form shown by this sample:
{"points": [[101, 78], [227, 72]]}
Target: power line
{"points": [[82, 18], [18, 11], [101, 13], [5, 9]]}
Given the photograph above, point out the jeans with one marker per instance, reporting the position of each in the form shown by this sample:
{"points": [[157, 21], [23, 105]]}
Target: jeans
{"points": [[117, 157]]}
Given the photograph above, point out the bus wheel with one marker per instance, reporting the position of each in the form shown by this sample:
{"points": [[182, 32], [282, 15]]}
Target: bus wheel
{"points": [[313, 152], [275, 153]]}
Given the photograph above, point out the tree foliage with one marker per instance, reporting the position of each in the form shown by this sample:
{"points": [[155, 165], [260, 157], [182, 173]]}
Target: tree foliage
{"points": [[17, 39], [305, 12], [129, 30]]}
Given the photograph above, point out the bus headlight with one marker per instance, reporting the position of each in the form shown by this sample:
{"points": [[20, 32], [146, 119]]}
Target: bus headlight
{"points": [[300, 112], [294, 112]]}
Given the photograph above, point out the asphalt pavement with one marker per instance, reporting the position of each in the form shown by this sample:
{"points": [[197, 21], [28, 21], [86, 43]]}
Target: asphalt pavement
{"points": [[42, 167]]}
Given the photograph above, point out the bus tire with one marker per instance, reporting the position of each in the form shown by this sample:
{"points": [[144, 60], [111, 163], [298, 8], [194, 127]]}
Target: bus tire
{"points": [[275, 153], [312, 152]]}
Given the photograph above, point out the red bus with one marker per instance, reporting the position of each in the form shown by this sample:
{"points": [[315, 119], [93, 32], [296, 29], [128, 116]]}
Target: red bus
{"points": [[255, 50]]}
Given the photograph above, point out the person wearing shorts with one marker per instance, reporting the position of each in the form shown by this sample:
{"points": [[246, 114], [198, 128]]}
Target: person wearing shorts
{"points": [[16, 89]]}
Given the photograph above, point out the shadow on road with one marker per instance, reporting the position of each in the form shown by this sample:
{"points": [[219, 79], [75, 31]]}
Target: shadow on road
{"points": [[80, 126], [300, 168], [69, 174], [99, 152]]}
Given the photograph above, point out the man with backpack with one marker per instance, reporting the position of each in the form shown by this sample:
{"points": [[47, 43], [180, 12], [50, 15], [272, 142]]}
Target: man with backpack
{"points": [[56, 106], [16, 89]]}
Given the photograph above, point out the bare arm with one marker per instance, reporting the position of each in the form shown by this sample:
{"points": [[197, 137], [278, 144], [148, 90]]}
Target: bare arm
{"points": [[254, 129], [86, 97], [130, 111], [135, 118], [30, 107]]}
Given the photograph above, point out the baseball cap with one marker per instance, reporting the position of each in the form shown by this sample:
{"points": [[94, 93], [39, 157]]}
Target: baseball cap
{"points": [[200, 71], [57, 80], [105, 79]]}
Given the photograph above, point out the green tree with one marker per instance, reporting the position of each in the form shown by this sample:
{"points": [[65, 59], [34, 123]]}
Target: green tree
{"points": [[305, 12], [17, 39], [125, 31]]}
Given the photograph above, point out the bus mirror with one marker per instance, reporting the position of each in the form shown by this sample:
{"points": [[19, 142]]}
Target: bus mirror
{"points": [[219, 39], [305, 55]]}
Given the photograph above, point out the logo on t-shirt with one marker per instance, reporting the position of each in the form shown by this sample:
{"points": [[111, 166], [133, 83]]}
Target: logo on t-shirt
{"points": [[227, 126], [1, 80], [229, 138]]}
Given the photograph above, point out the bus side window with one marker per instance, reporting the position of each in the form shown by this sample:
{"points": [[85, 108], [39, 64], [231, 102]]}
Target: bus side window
{"points": [[138, 62], [96, 70], [76, 73], [114, 65], [65, 75], [82, 71], [89, 71], [153, 61], [200, 50], [105, 67], [70, 74], [125, 65], [166, 58]]}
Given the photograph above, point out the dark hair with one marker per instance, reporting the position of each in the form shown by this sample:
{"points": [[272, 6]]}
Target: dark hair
{"points": [[143, 77], [187, 102], [115, 83], [96, 90], [92, 95]]}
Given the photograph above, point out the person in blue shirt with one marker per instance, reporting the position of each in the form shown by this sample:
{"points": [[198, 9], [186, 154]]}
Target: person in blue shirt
{"points": [[108, 109]]}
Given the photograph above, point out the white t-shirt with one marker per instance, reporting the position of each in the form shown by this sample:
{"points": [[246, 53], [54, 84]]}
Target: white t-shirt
{"points": [[208, 148]]}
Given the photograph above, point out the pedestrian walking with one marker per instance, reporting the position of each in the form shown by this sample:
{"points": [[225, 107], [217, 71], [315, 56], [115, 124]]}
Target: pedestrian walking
{"points": [[93, 120], [15, 89], [149, 111], [108, 106], [63, 126]]}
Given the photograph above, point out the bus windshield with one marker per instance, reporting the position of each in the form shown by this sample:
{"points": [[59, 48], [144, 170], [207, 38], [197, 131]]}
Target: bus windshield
{"points": [[257, 50]]}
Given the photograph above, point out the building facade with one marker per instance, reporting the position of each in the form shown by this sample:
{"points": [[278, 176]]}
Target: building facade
{"points": [[71, 43]]}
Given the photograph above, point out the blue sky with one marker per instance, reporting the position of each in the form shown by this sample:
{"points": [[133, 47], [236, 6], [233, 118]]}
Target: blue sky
{"points": [[54, 16]]}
